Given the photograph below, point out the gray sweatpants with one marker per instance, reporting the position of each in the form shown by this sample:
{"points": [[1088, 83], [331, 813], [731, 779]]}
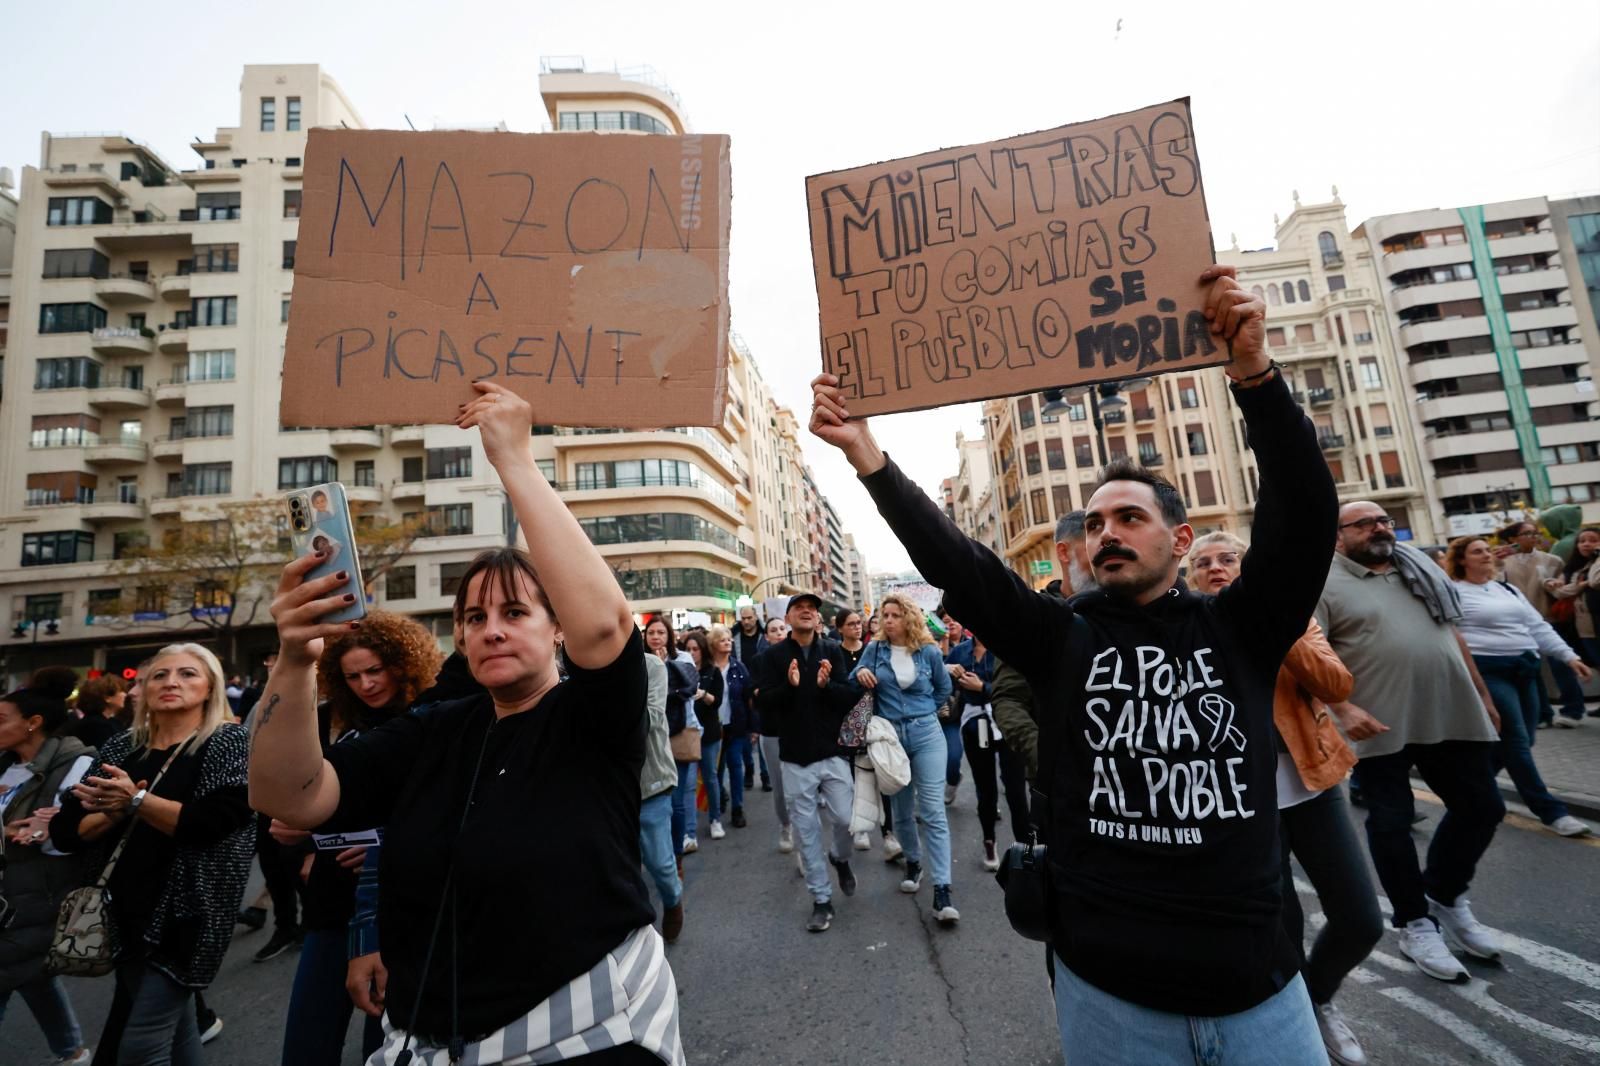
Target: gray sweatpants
{"points": [[820, 796], [769, 748]]}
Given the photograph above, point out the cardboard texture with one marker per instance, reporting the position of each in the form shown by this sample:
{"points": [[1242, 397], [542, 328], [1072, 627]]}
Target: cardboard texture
{"points": [[1055, 258], [587, 272]]}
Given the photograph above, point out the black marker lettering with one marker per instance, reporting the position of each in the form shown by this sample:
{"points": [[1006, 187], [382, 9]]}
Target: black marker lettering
{"points": [[616, 348], [397, 174], [439, 359], [477, 349], [339, 352], [516, 353], [521, 222], [572, 201], [427, 220], [479, 283]]}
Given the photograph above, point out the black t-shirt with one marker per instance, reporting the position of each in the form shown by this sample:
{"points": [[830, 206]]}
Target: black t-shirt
{"points": [[547, 865], [95, 730]]}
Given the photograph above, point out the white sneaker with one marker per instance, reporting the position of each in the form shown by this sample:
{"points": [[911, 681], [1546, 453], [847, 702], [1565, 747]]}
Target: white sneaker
{"points": [[949, 795], [991, 858], [1477, 938], [1343, 1047], [1568, 826], [786, 839], [82, 1057], [862, 841], [891, 848], [717, 832], [1421, 943], [1563, 722], [690, 845]]}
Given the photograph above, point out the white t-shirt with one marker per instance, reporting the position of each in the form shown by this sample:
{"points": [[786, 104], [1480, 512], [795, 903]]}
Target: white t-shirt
{"points": [[1291, 790], [905, 668]]}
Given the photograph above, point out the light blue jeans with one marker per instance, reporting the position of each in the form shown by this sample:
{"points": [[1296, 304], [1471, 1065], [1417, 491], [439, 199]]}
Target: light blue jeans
{"points": [[923, 739], [47, 999], [655, 847], [822, 792], [1098, 1027], [684, 816], [708, 774]]}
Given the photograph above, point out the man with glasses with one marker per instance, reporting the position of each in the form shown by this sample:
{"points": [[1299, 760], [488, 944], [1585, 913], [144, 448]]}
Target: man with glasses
{"points": [[1535, 573], [1390, 614]]}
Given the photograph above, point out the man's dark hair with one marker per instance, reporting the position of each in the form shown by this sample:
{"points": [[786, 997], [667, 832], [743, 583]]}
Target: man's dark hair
{"points": [[1173, 511], [1069, 527], [1514, 530]]}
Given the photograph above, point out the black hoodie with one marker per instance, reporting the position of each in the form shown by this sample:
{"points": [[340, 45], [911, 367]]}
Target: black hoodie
{"points": [[1158, 752]]}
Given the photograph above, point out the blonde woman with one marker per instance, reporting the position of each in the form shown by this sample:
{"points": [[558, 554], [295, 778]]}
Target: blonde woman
{"points": [[176, 889], [905, 672]]}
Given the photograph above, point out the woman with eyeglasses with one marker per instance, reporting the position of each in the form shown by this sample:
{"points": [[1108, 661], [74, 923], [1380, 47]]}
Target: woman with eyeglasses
{"points": [[1506, 636], [1313, 813]]}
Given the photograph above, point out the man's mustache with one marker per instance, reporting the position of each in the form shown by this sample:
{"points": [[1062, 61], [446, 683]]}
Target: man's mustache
{"points": [[1115, 551]]}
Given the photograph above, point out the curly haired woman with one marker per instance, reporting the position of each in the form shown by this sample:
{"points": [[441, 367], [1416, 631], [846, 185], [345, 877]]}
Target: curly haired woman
{"points": [[365, 677]]}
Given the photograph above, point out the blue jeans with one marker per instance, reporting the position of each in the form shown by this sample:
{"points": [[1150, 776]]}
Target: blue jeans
{"points": [[952, 744], [1097, 1027], [161, 1023], [684, 817], [47, 999], [1571, 691], [655, 847], [1513, 682], [319, 1006], [923, 739], [736, 757], [708, 774]]}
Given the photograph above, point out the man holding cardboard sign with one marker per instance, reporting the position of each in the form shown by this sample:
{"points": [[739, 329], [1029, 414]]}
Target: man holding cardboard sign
{"points": [[1157, 747]]}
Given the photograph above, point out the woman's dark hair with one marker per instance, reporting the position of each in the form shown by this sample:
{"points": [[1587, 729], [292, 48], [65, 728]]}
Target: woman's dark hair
{"points": [[45, 697], [698, 639], [843, 616], [1576, 561], [672, 638], [95, 693], [505, 565]]}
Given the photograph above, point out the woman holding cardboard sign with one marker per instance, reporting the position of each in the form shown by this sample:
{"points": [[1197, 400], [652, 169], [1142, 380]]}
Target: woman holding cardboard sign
{"points": [[483, 942]]}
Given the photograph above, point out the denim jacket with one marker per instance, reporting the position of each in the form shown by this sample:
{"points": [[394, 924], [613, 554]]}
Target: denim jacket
{"points": [[929, 692]]}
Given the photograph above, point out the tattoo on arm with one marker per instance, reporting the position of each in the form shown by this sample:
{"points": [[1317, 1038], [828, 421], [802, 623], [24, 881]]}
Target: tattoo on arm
{"points": [[265, 714], [313, 778]]}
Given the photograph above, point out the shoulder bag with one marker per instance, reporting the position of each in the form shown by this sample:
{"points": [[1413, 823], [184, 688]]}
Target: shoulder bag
{"points": [[82, 945]]}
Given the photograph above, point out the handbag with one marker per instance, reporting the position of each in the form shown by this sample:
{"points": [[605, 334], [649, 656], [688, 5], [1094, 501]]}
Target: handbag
{"points": [[1563, 610], [1024, 876], [853, 730], [685, 745], [82, 944]]}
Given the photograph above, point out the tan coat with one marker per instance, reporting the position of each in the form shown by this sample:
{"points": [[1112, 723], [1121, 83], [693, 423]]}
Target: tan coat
{"points": [[1312, 677], [1581, 616]]}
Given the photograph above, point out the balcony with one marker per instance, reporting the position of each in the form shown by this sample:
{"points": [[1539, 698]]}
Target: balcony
{"points": [[406, 435], [172, 393], [1319, 397], [174, 287], [1151, 459], [1422, 331], [173, 339], [167, 449], [122, 340], [121, 289], [1331, 442], [1434, 292], [1433, 408], [363, 493], [122, 507], [1144, 414], [407, 490], [164, 506], [118, 398], [359, 438], [114, 452], [1114, 417], [1453, 366]]}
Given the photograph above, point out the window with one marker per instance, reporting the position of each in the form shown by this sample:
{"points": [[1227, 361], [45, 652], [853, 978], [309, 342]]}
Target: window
{"points": [[400, 583], [1335, 282], [612, 120], [215, 311], [292, 113], [288, 255], [1188, 396], [366, 473], [1039, 507], [47, 549], [77, 211], [641, 528], [209, 421], [1370, 378], [1305, 333], [217, 206], [304, 471], [1196, 439], [1275, 337], [44, 607], [73, 372], [411, 469], [71, 318], [1061, 497], [1330, 249], [75, 263], [1272, 295], [130, 430], [291, 203], [1205, 489], [1288, 292], [215, 259], [211, 365], [547, 467], [63, 431], [104, 603], [449, 520], [283, 313], [1030, 453], [1055, 456], [450, 575], [207, 479], [449, 463], [1025, 412], [1305, 291], [269, 114]]}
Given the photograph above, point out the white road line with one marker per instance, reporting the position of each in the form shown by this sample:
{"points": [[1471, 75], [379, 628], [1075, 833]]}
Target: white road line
{"points": [[1582, 1007], [1363, 976], [1395, 963], [1457, 1026], [1478, 993]]}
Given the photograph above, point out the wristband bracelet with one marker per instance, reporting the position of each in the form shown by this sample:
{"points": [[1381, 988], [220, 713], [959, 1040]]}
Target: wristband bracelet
{"points": [[1271, 366]]}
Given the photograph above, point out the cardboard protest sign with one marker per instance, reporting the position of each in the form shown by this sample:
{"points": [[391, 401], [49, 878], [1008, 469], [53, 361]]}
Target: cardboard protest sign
{"points": [[1054, 258], [588, 272]]}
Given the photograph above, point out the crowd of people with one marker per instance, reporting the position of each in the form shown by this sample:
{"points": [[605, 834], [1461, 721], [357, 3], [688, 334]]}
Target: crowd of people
{"points": [[1173, 720]]}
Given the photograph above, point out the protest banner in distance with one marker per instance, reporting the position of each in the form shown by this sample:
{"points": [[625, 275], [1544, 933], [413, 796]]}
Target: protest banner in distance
{"points": [[587, 272], [1055, 258]]}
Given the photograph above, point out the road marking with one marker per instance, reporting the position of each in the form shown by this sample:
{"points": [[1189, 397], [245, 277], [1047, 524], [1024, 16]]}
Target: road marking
{"points": [[1583, 1007], [1478, 993], [1519, 821], [1363, 976], [1457, 1026]]}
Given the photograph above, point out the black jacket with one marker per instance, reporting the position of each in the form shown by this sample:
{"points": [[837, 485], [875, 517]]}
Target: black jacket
{"points": [[709, 713], [1158, 752], [806, 717]]}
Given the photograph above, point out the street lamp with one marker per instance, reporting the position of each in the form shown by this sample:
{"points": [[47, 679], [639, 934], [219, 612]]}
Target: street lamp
{"points": [[52, 628], [1102, 397], [781, 577]]}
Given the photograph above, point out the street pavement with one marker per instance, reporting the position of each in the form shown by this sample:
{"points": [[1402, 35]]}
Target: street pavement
{"points": [[1569, 762], [887, 986]]}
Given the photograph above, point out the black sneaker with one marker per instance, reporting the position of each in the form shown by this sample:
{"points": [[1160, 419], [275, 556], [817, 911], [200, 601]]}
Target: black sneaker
{"points": [[913, 878], [282, 940], [253, 918], [749, 780], [766, 784], [738, 818], [821, 918], [847, 880], [943, 910]]}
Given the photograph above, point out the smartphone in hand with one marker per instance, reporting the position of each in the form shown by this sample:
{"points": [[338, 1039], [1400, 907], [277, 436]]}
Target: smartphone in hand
{"points": [[319, 520]]}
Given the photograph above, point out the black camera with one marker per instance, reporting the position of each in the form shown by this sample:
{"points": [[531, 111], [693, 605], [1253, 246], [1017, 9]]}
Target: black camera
{"points": [[1024, 876]]}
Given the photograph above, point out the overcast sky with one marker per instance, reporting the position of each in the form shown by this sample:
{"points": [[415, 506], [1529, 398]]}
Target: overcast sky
{"points": [[1401, 105]]}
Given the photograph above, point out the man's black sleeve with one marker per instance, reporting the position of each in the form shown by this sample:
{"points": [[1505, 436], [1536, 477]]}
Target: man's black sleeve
{"points": [[1297, 512], [981, 591], [773, 691]]}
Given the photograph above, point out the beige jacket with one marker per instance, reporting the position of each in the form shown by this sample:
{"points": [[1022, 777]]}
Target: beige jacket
{"points": [[1585, 621]]}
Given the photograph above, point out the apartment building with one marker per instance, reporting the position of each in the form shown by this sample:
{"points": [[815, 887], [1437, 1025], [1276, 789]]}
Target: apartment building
{"points": [[1481, 305], [859, 591], [148, 306]]}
